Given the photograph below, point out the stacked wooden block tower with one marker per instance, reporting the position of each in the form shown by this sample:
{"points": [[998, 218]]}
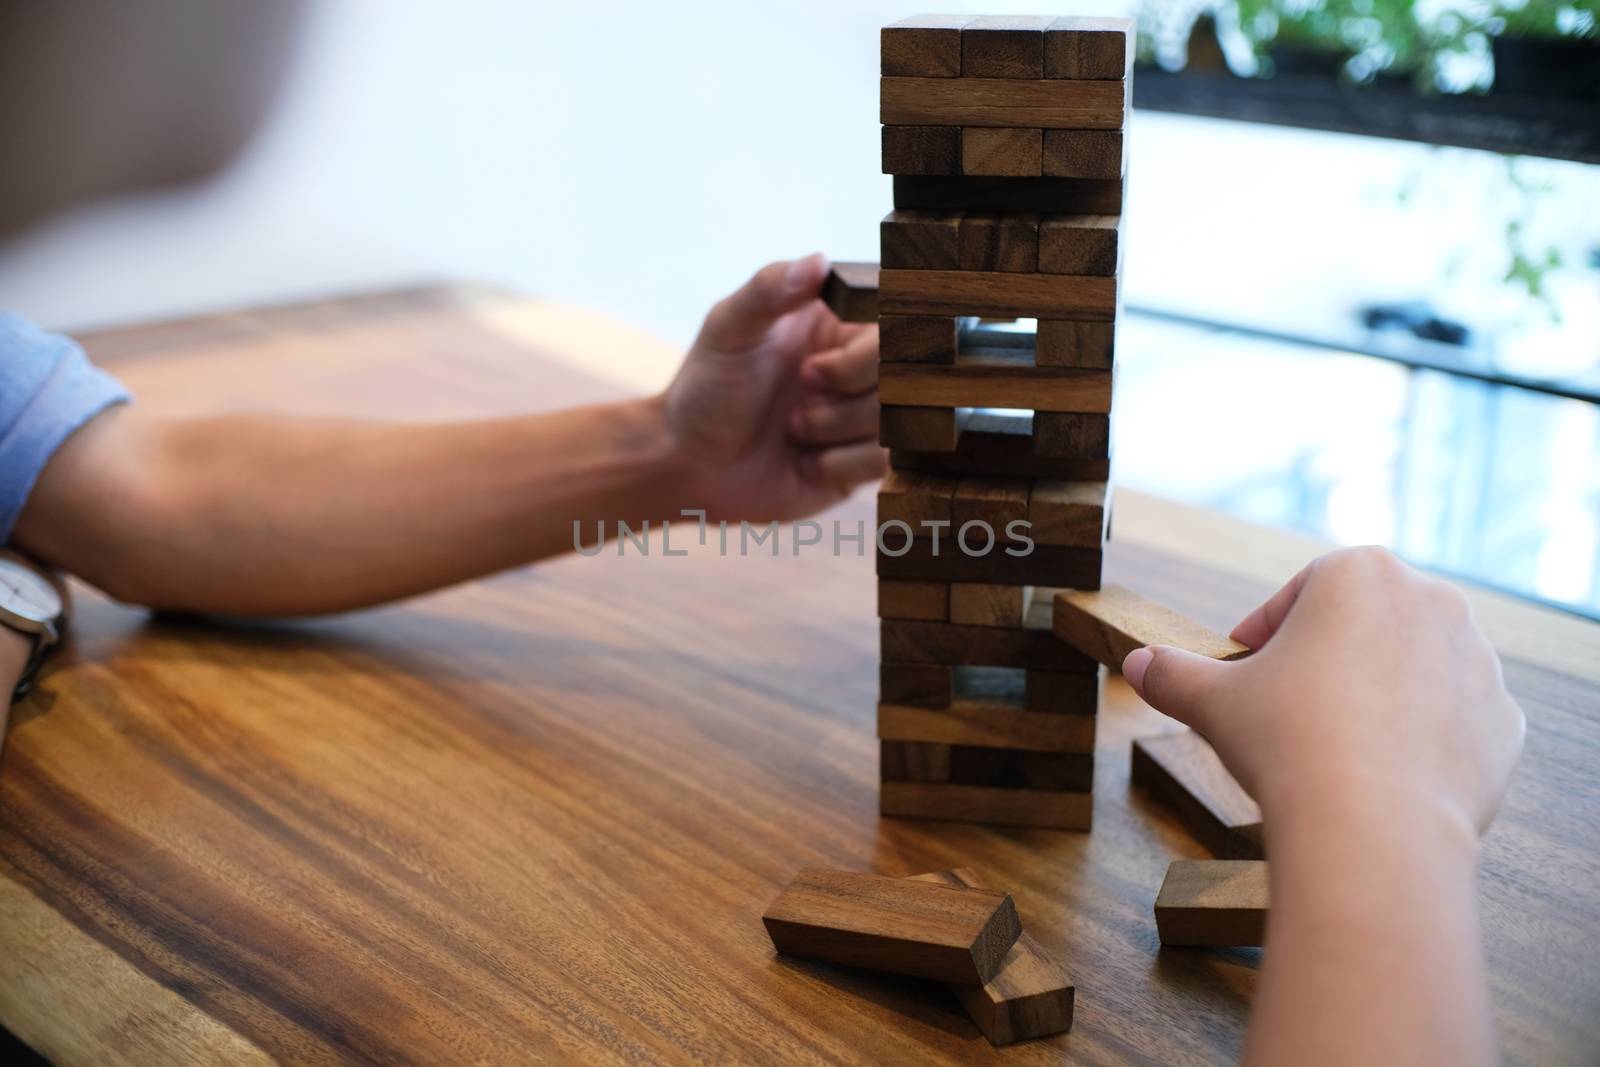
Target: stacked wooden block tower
{"points": [[1005, 140]]}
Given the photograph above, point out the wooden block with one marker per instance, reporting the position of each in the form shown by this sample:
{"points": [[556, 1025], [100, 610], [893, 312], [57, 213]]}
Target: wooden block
{"points": [[917, 338], [918, 429], [1031, 997], [927, 46], [1001, 455], [993, 102], [993, 768], [1089, 48], [1008, 243], [1068, 513], [929, 601], [920, 240], [1013, 152], [1066, 196], [1001, 807], [1080, 244], [996, 501], [925, 150], [1072, 434], [918, 685], [998, 295], [894, 925], [1004, 46], [1213, 903], [975, 382], [1182, 772], [982, 646], [1114, 621], [1071, 693], [981, 604], [914, 498], [1089, 345], [1057, 565], [851, 290], [1075, 154], [966, 723]]}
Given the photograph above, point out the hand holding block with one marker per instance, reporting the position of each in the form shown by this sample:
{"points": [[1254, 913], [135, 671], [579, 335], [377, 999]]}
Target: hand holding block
{"points": [[1182, 772], [1109, 623], [894, 924], [1030, 997], [1214, 903], [851, 290]]}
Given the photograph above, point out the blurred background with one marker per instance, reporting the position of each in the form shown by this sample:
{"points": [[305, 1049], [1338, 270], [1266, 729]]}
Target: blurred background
{"points": [[1363, 237]]}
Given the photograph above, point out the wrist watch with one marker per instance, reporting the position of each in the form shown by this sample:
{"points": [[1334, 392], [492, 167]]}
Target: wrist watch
{"points": [[33, 605]]}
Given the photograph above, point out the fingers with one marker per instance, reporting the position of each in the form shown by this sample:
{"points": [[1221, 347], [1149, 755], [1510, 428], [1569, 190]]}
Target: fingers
{"points": [[742, 319], [1175, 682], [1257, 628], [848, 370], [836, 421], [847, 466]]}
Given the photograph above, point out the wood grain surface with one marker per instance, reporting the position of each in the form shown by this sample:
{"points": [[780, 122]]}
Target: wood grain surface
{"points": [[1111, 622], [1215, 903], [998, 102], [537, 818]]}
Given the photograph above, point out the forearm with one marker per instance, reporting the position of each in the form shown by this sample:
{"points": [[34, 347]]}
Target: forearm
{"points": [[277, 515], [1373, 948]]}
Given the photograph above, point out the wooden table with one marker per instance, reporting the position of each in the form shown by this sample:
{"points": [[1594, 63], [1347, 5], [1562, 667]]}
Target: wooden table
{"points": [[537, 818]]}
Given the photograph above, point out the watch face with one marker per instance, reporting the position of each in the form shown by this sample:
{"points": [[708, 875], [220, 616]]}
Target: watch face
{"points": [[24, 593]]}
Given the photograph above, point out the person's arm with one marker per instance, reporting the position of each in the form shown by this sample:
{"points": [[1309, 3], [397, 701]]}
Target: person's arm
{"points": [[773, 416], [1373, 728]]}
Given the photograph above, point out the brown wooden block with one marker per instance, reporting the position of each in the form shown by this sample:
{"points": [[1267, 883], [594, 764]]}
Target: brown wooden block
{"points": [[1059, 343], [994, 383], [968, 723], [1066, 196], [1004, 46], [1080, 244], [927, 46], [992, 102], [1014, 152], [1057, 565], [1213, 903], [919, 685], [981, 604], [977, 804], [1068, 513], [1182, 772], [929, 601], [1091, 48], [1110, 623], [996, 501], [1076, 154], [916, 339], [1008, 243], [1072, 434], [999, 454], [982, 646], [923, 150], [914, 498], [851, 290], [865, 920], [920, 240], [1031, 997], [1074, 693], [995, 768], [998, 295], [920, 429]]}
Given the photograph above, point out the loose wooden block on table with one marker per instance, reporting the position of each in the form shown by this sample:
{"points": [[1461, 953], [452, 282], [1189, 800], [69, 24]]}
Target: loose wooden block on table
{"points": [[994, 242], [927, 46], [919, 429], [920, 240], [982, 604], [1072, 434], [965, 722], [1031, 997], [1082, 196], [928, 601], [894, 925], [1080, 244], [1086, 47], [1213, 903], [998, 295], [1066, 566], [914, 497], [918, 685], [851, 290], [998, 383], [924, 150], [1040, 808], [1183, 773], [1112, 622], [1068, 513], [1004, 46], [981, 646], [1082, 154], [996, 501], [1014, 152], [995, 102], [916, 338], [1059, 343]]}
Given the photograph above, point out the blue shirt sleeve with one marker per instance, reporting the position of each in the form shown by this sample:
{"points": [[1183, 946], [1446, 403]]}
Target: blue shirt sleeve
{"points": [[48, 389]]}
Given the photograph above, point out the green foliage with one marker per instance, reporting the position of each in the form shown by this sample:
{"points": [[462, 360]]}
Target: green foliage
{"points": [[1546, 18]]}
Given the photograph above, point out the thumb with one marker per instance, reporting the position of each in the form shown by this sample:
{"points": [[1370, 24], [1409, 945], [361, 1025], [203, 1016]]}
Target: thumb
{"points": [[742, 319], [1174, 681]]}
